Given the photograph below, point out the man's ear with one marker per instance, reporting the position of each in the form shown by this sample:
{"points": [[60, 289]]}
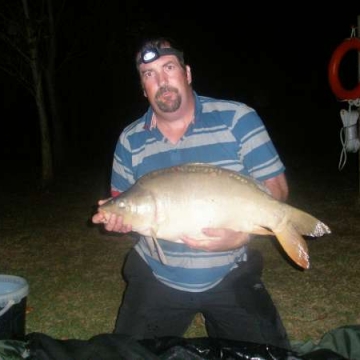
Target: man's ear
{"points": [[188, 74]]}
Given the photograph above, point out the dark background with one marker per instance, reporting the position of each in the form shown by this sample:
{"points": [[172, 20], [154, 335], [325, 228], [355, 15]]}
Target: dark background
{"points": [[273, 57]]}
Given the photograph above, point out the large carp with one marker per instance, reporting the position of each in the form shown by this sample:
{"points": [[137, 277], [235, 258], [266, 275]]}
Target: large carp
{"points": [[182, 200]]}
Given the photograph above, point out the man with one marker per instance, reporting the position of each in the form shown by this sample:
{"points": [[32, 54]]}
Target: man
{"points": [[220, 279]]}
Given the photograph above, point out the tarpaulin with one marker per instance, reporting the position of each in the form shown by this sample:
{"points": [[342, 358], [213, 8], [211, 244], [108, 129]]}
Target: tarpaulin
{"points": [[38, 346]]}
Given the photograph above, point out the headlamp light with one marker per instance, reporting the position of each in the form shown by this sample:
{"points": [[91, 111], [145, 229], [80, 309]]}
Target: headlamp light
{"points": [[151, 54]]}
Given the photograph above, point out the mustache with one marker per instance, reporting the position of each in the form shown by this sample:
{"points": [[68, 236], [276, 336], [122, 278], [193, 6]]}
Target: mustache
{"points": [[164, 89]]}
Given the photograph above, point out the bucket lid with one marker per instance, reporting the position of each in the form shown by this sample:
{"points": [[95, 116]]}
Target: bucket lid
{"points": [[12, 288]]}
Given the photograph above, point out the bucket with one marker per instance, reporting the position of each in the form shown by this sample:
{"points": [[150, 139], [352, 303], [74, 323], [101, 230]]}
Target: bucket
{"points": [[13, 296]]}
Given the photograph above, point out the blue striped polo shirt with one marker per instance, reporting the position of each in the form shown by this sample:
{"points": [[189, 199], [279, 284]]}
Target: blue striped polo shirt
{"points": [[224, 133]]}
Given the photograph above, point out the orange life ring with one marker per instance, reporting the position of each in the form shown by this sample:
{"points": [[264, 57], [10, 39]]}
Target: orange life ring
{"points": [[340, 92]]}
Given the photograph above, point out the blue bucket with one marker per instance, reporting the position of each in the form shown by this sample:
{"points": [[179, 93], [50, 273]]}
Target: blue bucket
{"points": [[13, 296]]}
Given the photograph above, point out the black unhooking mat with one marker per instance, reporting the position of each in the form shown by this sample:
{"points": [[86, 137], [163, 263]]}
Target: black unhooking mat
{"points": [[339, 344], [115, 347]]}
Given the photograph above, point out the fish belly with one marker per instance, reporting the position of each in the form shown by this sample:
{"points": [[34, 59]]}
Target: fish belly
{"points": [[176, 219]]}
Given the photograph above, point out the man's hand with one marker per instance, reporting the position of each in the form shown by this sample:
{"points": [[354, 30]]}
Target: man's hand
{"points": [[111, 222], [224, 240]]}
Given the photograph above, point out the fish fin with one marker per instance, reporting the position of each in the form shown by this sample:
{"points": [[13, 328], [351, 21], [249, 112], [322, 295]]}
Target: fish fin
{"points": [[159, 250], [294, 245], [151, 244], [258, 230], [307, 224]]}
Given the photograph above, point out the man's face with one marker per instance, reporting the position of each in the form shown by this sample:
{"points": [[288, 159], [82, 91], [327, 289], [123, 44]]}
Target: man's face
{"points": [[165, 82]]}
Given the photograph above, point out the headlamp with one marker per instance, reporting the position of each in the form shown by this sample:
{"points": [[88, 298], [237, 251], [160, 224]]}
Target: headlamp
{"points": [[151, 54]]}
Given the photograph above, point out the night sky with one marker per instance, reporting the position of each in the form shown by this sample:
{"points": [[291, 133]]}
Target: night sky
{"points": [[272, 57]]}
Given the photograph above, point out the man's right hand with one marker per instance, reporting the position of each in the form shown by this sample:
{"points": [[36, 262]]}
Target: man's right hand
{"points": [[112, 222]]}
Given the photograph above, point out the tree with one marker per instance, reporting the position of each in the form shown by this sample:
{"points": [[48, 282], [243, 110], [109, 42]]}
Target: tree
{"points": [[28, 53], [94, 42]]}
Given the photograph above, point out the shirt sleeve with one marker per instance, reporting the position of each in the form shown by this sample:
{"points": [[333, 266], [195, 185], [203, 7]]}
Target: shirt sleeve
{"points": [[122, 171], [256, 149]]}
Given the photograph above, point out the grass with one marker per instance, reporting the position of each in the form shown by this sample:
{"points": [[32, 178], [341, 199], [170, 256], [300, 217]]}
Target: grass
{"points": [[74, 269]]}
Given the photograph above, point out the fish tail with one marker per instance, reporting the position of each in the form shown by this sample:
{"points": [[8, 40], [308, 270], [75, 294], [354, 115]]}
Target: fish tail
{"points": [[294, 245], [307, 224]]}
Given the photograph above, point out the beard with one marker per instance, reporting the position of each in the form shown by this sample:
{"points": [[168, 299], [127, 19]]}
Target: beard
{"points": [[168, 104]]}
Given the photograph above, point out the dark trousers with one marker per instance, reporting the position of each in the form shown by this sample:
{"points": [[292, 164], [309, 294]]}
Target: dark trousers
{"points": [[239, 308]]}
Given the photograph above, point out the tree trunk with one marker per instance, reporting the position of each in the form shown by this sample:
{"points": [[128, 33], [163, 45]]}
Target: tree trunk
{"points": [[47, 173], [46, 151], [54, 107], [55, 114]]}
